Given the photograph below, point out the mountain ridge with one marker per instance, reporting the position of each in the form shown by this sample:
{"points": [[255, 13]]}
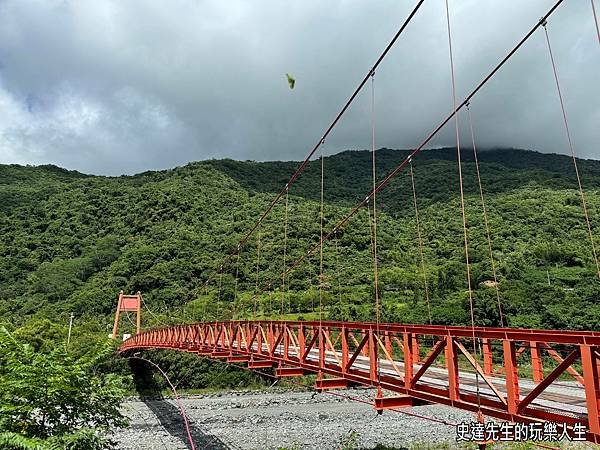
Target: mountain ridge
{"points": [[70, 242]]}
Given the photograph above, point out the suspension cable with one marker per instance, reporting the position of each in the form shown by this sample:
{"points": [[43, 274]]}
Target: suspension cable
{"points": [[257, 272], [382, 184], [328, 130], [285, 236], [337, 268], [150, 311], [204, 309], [310, 286], [219, 294], [321, 217], [420, 242], [235, 291], [485, 217], [595, 20], [374, 179], [370, 222], [572, 148], [462, 196], [129, 319]]}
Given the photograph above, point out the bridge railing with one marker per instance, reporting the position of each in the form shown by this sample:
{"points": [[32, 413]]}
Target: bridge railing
{"points": [[519, 375]]}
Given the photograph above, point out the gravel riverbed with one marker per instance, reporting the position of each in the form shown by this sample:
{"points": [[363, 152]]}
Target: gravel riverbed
{"points": [[280, 418], [276, 419]]}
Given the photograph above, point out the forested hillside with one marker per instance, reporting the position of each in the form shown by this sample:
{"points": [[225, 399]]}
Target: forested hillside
{"points": [[69, 242]]}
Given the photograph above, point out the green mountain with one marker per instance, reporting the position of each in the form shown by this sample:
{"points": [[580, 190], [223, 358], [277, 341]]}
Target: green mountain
{"points": [[69, 242]]}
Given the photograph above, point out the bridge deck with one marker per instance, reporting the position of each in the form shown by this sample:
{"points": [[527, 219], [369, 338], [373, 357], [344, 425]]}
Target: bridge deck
{"points": [[554, 397]]}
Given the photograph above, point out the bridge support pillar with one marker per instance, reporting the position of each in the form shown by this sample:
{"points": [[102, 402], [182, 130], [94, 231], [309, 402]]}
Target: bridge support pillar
{"points": [[592, 386], [344, 337], [512, 378], [286, 342], [536, 362], [301, 342], [452, 366], [487, 356], [382, 402], [395, 401], [388, 344], [259, 340], [416, 352], [408, 360], [128, 303], [321, 346], [373, 356]]}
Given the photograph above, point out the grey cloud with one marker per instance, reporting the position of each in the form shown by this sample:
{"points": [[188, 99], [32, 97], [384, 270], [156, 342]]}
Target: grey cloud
{"points": [[119, 87]]}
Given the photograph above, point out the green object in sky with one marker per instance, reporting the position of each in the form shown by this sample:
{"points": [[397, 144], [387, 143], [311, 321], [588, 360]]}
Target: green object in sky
{"points": [[291, 80]]}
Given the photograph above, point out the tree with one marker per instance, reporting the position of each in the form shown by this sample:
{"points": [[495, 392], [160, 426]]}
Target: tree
{"points": [[51, 399]]}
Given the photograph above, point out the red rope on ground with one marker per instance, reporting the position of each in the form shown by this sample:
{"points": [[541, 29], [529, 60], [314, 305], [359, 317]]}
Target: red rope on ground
{"points": [[181, 408], [297, 383], [359, 400], [336, 394]]}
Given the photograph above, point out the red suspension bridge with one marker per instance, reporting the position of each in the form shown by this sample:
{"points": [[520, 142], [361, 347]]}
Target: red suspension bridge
{"points": [[496, 372], [415, 363]]}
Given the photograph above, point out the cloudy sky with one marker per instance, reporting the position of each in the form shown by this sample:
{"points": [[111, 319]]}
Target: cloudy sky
{"points": [[111, 86]]}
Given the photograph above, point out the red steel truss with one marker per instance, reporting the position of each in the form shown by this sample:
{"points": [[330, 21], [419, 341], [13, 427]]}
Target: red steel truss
{"points": [[513, 376]]}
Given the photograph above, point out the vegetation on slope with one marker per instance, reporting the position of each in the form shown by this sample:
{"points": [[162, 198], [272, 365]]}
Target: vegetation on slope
{"points": [[52, 400], [69, 242]]}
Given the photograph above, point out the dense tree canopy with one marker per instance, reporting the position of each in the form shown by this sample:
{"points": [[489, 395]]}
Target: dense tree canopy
{"points": [[53, 399], [69, 242]]}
